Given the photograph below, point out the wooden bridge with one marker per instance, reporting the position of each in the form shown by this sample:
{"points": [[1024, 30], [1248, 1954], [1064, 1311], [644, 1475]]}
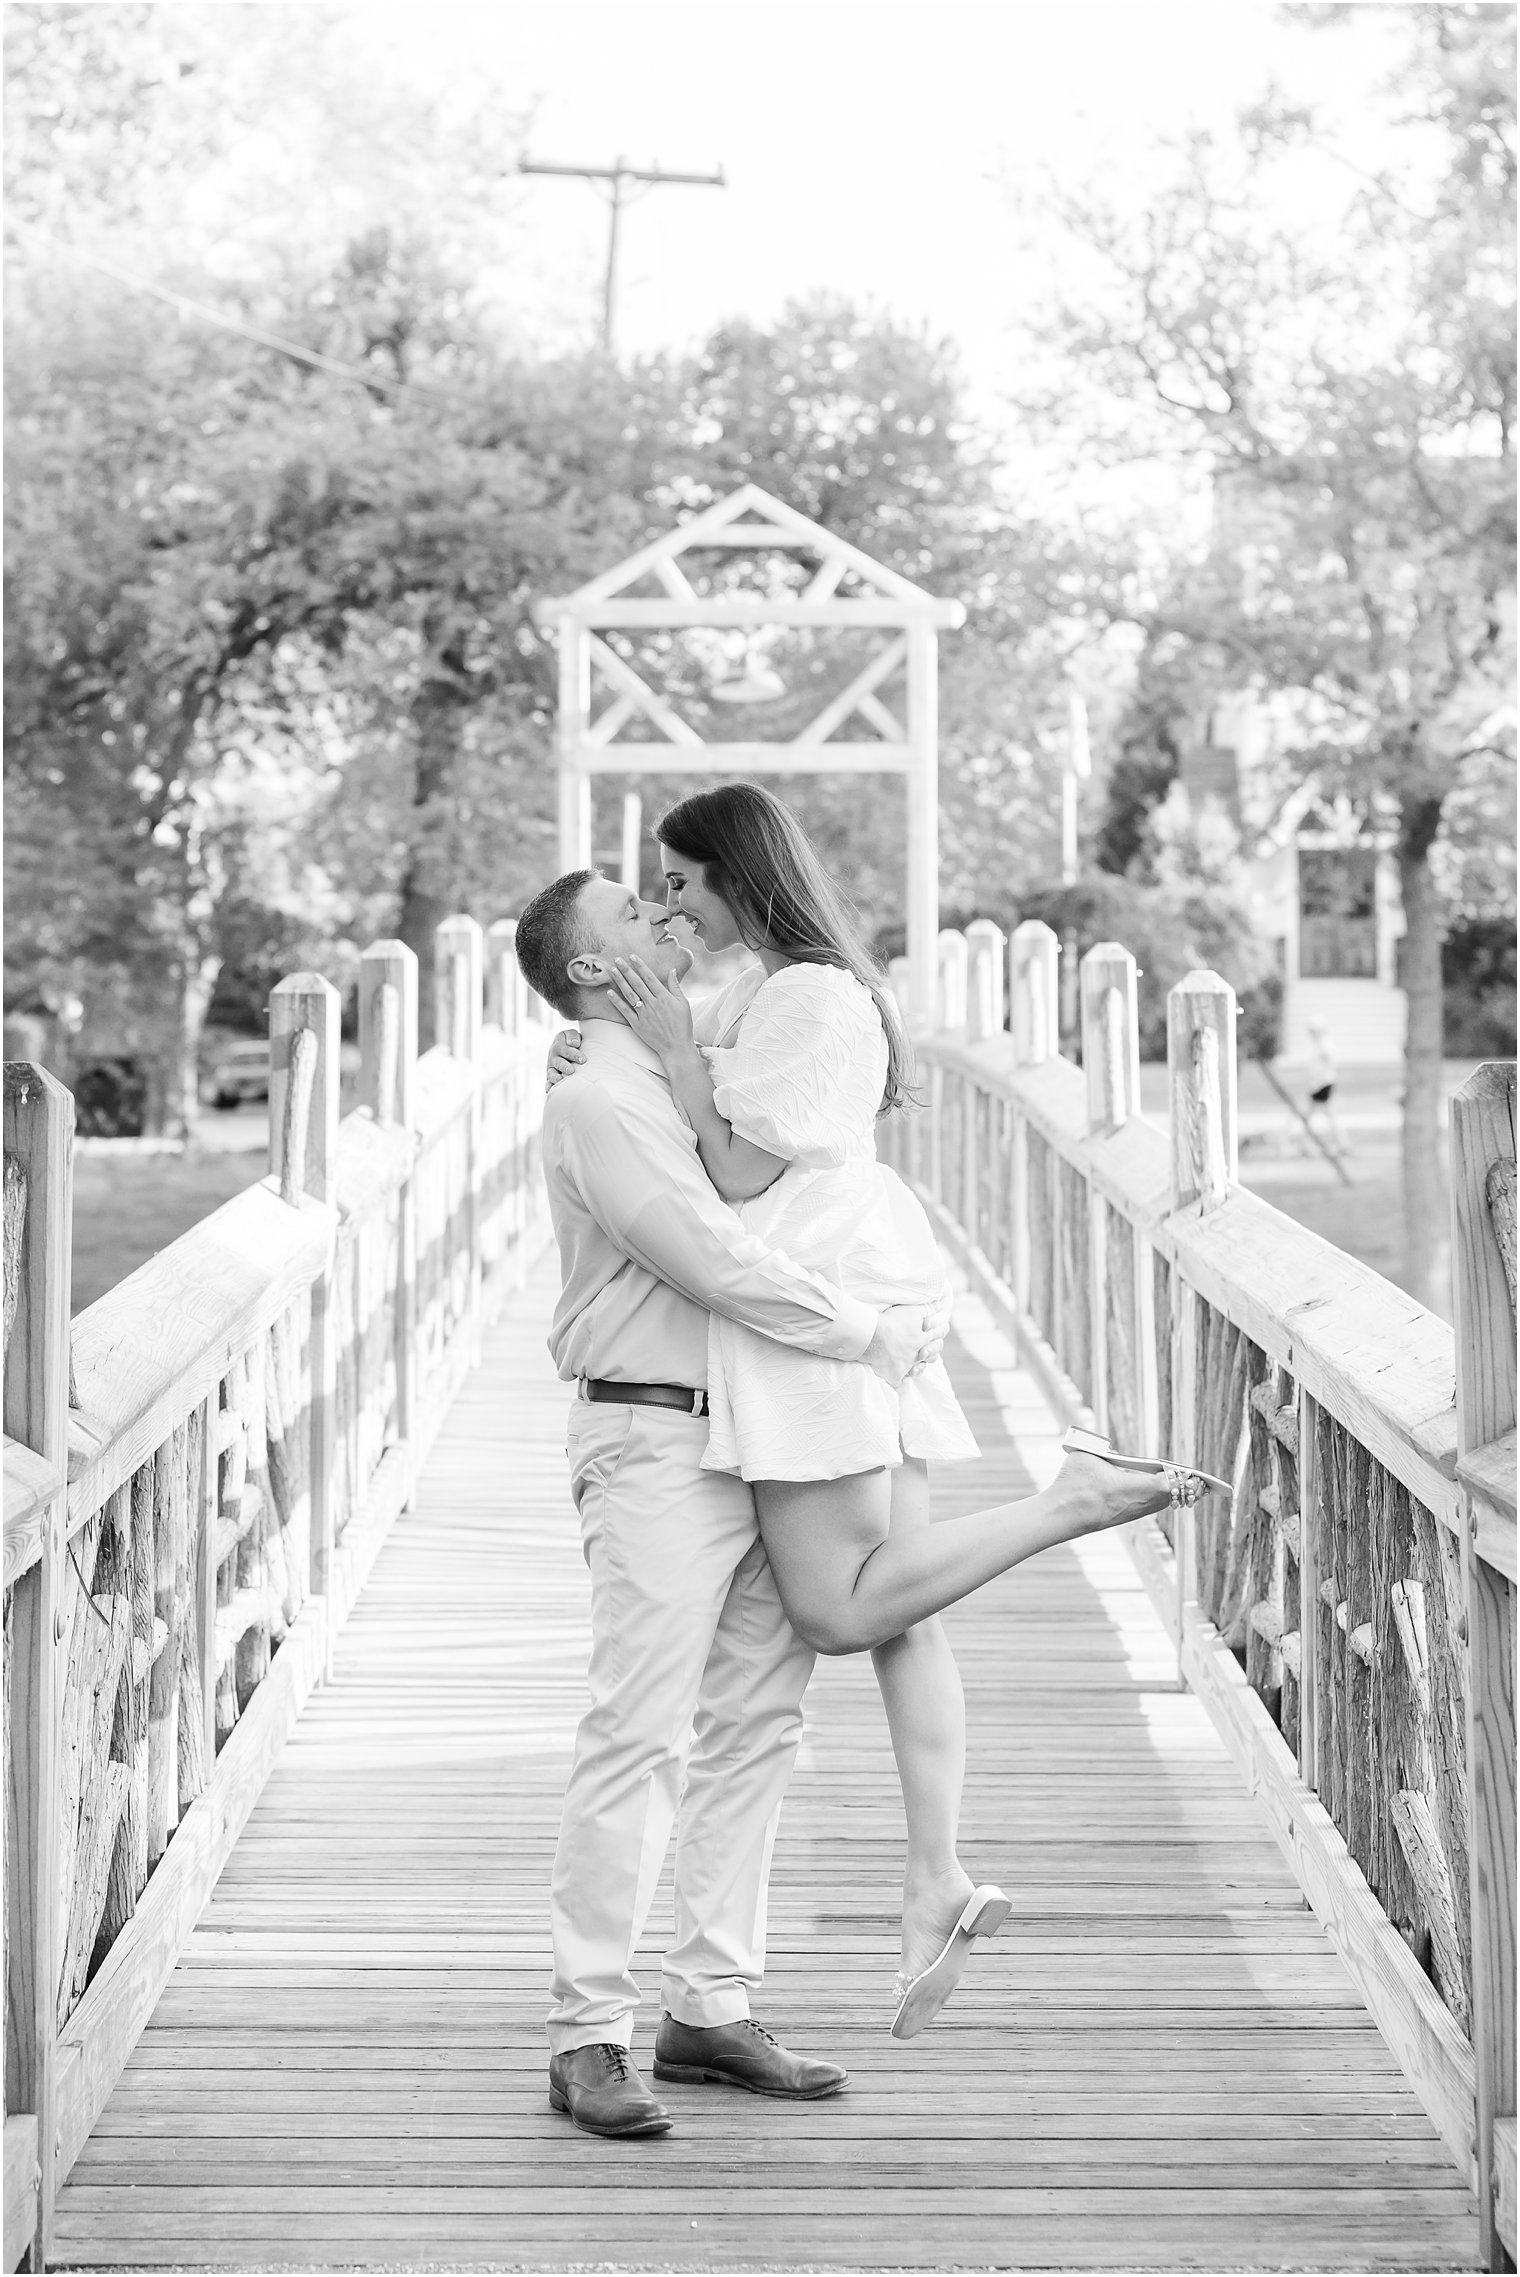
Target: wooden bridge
{"points": [[295, 1619]]}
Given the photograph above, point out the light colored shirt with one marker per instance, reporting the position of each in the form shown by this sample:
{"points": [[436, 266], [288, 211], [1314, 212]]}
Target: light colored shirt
{"points": [[647, 1248]]}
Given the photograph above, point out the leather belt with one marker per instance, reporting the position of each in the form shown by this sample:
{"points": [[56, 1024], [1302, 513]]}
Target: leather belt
{"points": [[645, 1395]]}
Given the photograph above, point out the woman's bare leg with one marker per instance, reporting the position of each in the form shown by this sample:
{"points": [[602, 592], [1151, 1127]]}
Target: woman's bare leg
{"points": [[850, 1581], [920, 1686], [926, 1716]]}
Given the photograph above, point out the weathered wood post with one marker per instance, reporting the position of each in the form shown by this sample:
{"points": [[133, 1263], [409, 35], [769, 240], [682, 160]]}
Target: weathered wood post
{"points": [[1200, 1054], [1483, 1296], [506, 990], [899, 980], [387, 1087], [1310, 1604], [1110, 1035], [904, 1131], [458, 963], [507, 1009], [170, 1540], [1034, 961], [986, 959], [39, 1202], [986, 950], [459, 966], [303, 1155], [1111, 1065], [949, 1014], [208, 1515], [952, 979], [1200, 1057], [1034, 956]]}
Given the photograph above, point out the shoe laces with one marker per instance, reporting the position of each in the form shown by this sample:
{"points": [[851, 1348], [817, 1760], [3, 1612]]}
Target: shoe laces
{"points": [[615, 2058], [760, 2032]]}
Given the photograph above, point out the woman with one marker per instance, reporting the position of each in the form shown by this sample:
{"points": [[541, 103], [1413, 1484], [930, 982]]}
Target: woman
{"points": [[804, 1052]]}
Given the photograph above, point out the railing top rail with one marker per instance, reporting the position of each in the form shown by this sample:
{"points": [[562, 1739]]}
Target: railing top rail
{"points": [[157, 1344], [149, 1350], [1370, 1353], [30, 1485]]}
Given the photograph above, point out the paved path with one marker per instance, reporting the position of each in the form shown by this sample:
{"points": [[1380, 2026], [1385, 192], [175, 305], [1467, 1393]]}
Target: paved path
{"points": [[1159, 2063]]}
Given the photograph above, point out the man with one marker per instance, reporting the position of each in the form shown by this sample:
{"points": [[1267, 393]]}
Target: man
{"points": [[691, 1649]]}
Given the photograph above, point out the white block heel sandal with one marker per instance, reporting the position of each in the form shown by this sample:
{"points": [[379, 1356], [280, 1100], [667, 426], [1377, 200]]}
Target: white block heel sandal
{"points": [[921, 1998], [1178, 1477]]}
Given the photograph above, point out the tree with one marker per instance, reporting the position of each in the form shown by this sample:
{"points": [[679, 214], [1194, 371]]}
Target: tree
{"points": [[1349, 398], [133, 622], [229, 571], [858, 421], [173, 600], [224, 569]]}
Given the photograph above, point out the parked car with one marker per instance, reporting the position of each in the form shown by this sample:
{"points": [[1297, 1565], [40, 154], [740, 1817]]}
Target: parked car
{"points": [[240, 1072]]}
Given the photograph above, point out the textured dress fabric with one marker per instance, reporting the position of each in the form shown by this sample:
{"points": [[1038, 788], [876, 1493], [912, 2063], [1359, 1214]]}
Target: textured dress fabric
{"points": [[804, 1080]]}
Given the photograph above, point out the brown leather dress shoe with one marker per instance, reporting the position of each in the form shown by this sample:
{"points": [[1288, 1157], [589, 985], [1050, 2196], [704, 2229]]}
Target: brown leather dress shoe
{"points": [[600, 2089], [741, 2055]]}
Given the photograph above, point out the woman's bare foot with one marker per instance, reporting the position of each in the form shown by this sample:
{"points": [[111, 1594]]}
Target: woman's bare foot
{"points": [[932, 1905], [1099, 1495]]}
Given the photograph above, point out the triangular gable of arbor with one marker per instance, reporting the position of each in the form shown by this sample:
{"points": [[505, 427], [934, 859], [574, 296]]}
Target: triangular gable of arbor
{"points": [[874, 596], [751, 517]]}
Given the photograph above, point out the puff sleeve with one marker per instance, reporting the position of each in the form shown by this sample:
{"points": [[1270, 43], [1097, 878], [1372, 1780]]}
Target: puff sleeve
{"points": [[806, 1076]]}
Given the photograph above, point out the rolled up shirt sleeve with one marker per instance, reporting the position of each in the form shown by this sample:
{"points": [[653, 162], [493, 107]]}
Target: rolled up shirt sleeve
{"points": [[640, 1178]]}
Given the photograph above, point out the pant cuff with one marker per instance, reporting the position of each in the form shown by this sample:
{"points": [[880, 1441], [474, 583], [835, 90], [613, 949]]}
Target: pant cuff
{"points": [[724, 2004], [564, 2037]]}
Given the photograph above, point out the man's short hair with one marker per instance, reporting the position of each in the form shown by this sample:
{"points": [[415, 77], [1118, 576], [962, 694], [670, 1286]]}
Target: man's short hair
{"points": [[549, 934]]}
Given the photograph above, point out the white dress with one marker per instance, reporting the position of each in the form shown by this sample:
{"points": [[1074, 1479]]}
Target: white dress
{"points": [[804, 1079]]}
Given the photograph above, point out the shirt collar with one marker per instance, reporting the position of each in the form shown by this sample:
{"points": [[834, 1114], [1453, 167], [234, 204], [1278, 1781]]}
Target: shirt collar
{"points": [[611, 1042]]}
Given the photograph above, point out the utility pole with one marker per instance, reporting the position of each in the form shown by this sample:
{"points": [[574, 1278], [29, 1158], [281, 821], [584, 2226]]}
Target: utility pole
{"points": [[617, 177]]}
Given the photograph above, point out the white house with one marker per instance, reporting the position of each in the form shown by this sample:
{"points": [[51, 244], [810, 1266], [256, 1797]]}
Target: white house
{"points": [[1322, 881]]}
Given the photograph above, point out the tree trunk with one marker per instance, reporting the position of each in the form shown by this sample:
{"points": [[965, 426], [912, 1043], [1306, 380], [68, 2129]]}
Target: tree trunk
{"points": [[426, 887], [422, 912], [1426, 1207], [157, 1087], [197, 979]]}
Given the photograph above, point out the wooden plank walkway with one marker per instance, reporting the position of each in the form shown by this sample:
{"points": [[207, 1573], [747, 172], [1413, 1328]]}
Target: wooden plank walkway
{"points": [[1159, 2064]]}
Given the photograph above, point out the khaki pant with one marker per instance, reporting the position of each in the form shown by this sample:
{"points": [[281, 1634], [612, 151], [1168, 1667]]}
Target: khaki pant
{"points": [[696, 1685]]}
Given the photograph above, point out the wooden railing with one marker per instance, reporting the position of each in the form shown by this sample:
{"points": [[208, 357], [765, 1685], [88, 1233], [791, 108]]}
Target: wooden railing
{"points": [[194, 1495], [1349, 1618]]}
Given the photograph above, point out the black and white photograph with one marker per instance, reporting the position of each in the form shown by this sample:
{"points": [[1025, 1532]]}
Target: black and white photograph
{"points": [[759, 1135]]}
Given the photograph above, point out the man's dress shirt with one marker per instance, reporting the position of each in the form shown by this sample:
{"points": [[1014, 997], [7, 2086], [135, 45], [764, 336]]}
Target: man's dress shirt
{"points": [[647, 1248]]}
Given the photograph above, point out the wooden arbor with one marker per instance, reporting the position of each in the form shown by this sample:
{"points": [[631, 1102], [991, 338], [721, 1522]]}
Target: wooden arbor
{"points": [[846, 591]]}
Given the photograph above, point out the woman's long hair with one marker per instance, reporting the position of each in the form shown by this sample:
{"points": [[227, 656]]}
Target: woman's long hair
{"points": [[755, 853]]}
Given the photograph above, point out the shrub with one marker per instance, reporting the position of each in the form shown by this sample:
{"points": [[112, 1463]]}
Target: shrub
{"points": [[1478, 987]]}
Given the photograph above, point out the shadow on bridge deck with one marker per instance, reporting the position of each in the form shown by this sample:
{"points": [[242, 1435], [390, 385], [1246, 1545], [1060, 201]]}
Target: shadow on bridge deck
{"points": [[1160, 2063]]}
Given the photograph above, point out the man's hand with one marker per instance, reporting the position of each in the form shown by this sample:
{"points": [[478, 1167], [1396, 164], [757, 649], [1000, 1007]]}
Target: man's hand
{"points": [[907, 1338], [565, 1056]]}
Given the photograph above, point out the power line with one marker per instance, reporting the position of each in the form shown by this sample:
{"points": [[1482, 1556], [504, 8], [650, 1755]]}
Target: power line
{"points": [[332, 365], [616, 176]]}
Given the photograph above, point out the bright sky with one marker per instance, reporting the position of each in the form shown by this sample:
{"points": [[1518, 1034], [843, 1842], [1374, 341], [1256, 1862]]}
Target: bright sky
{"points": [[868, 144]]}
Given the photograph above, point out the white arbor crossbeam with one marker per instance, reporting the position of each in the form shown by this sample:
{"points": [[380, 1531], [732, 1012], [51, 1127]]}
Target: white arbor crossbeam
{"points": [[847, 591], [637, 692], [857, 695]]}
